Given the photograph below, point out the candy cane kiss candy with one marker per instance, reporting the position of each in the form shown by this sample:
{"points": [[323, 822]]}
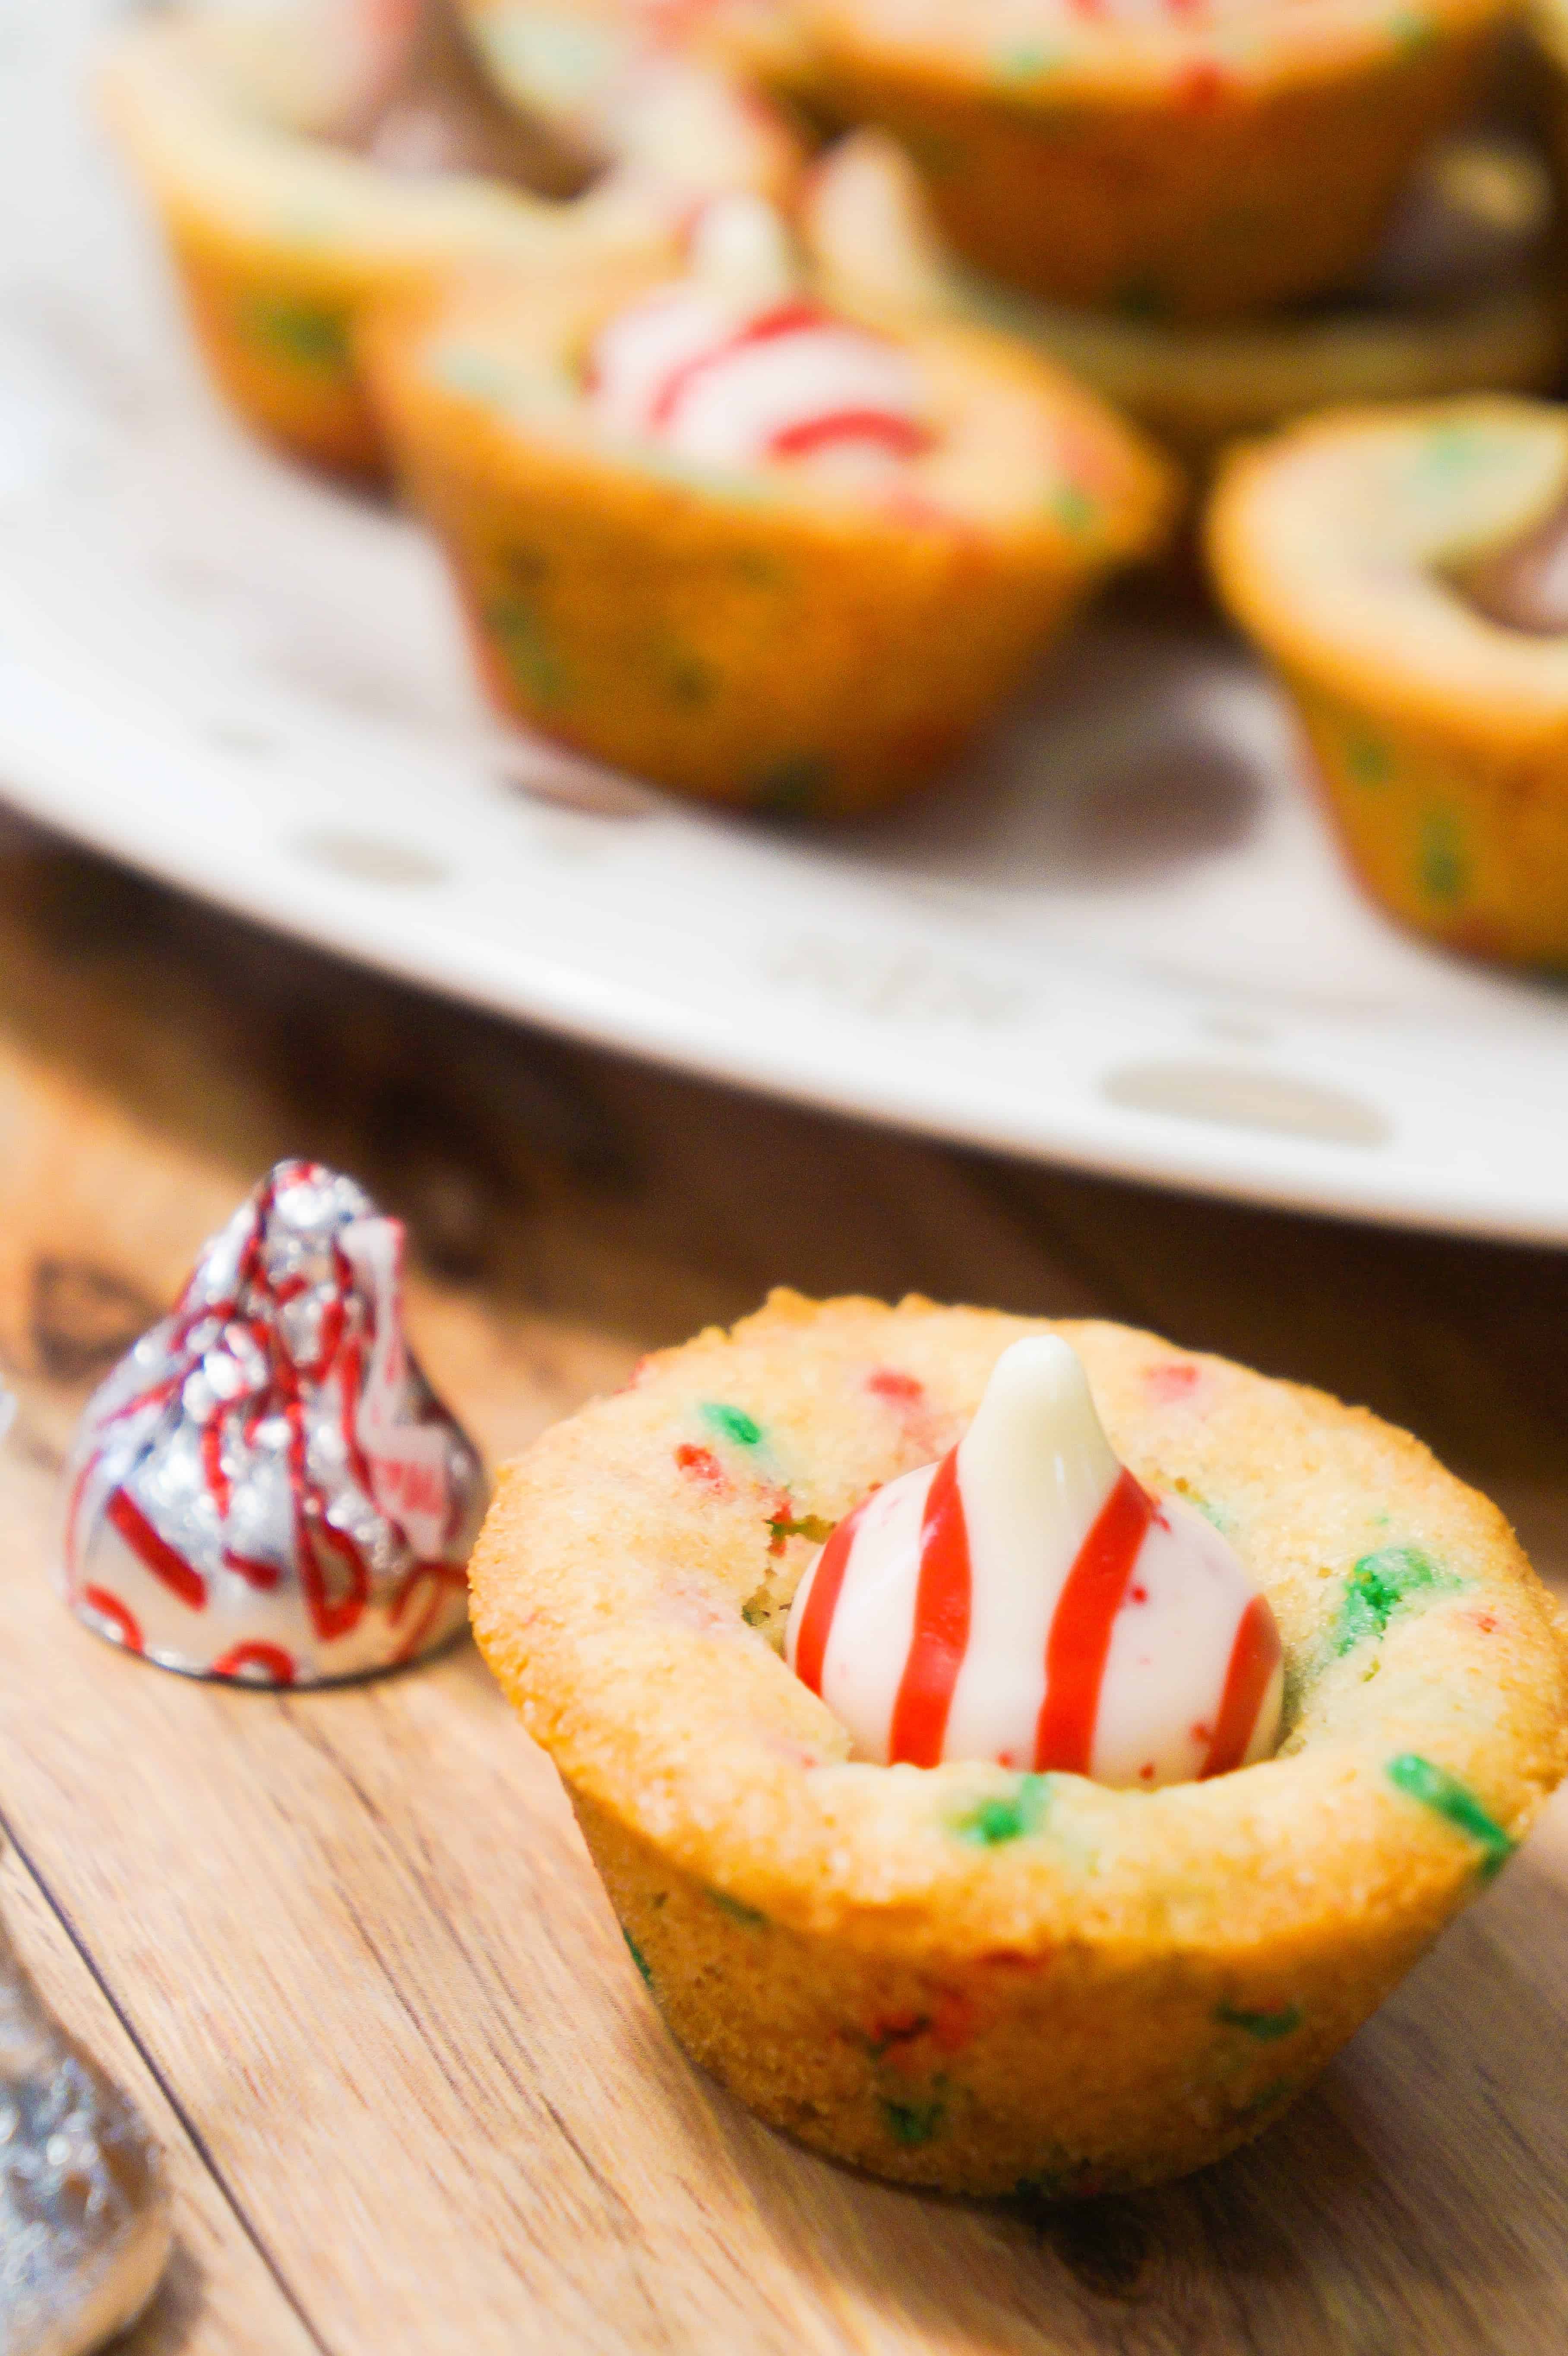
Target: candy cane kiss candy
{"points": [[266, 1488], [1025, 1600]]}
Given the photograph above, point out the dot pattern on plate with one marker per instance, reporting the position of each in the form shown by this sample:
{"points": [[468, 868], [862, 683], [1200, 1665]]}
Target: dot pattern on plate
{"points": [[371, 859], [1240, 1098]]}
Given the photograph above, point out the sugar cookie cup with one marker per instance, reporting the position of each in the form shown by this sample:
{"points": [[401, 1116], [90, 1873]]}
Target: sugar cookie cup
{"points": [[961, 1977], [1189, 165], [867, 222], [1441, 737], [748, 635], [283, 240]]}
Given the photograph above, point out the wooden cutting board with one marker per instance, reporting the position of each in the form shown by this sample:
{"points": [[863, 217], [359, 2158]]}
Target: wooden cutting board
{"points": [[347, 1948]]}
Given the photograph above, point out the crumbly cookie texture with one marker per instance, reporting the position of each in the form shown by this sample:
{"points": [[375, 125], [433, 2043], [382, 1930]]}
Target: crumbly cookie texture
{"points": [[963, 1977]]}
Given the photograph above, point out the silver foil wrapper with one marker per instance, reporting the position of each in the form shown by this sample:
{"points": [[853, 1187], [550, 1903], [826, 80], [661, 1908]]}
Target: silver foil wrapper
{"points": [[84, 2203], [266, 1488]]}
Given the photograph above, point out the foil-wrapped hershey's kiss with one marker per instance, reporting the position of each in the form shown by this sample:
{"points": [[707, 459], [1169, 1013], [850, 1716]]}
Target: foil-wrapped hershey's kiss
{"points": [[266, 1488], [84, 2198]]}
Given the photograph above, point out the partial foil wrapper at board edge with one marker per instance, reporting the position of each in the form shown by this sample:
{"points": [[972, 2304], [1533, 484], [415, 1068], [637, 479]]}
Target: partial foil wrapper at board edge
{"points": [[266, 1488], [84, 2198]]}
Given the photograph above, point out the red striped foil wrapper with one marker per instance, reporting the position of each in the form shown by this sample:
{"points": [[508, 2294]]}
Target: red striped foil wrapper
{"points": [[266, 1489]]}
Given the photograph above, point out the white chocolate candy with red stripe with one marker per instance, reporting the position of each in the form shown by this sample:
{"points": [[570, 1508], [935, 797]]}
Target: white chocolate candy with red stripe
{"points": [[1026, 1601], [731, 366]]}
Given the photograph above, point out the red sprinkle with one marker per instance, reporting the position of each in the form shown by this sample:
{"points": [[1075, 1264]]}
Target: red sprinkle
{"points": [[892, 1383], [702, 1465], [1202, 85], [952, 2021], [1172, 1381]]}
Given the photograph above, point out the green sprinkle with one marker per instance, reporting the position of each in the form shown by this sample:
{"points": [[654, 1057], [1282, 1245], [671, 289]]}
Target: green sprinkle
{"points": [[731, 1423], [301, 332], [1072, 508], [1005, 1816], [1410, 30], [750, 1915], [809, 1525], [792, 787], [553, 60], [475, 374], [755, 1615], [638, 1957], [528, 657], [912, 2124], [692, 680], [1268, 2028], [1444, 1794], [937, 153], [759, 570], [1367, 759], [1379, 1585], [1442, 859], [1457, 449], [1276, 2091], [1026, 61], [1141, 298], [1047, 2183]]}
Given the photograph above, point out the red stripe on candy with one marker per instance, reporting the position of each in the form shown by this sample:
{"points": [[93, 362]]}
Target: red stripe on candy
{"points": [[785, 319], [941, 1634], [156, 1553], [816, 1620], [1254, 1656], [899, 435], [118, 1615], [319, 1542], [212, 1463], [1079, 1638], [277, 1664], [260, 1574]]}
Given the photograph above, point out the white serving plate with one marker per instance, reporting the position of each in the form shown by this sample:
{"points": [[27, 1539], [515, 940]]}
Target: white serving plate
{"points": [[1124, 941]]}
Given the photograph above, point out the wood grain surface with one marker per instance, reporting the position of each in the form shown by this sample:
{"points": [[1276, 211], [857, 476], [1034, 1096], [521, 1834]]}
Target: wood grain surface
{"points": [[347, 1948]]}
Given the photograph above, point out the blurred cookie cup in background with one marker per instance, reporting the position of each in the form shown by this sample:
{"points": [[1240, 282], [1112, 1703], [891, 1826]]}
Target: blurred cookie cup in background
{"points": [[707, 531], [1404, 570], [304, 162], [1169, 162], [1466, 295]]}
